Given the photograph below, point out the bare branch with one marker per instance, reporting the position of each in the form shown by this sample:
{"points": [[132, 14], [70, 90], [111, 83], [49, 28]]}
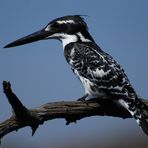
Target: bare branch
{"points": [[71, 111]]}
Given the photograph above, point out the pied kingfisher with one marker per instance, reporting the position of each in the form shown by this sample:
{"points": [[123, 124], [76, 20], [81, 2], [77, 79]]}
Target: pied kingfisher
{"points": [[101, 76]]}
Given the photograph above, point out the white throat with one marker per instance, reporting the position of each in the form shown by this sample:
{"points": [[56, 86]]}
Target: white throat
{"points": [[66, 39], [69, 38]]}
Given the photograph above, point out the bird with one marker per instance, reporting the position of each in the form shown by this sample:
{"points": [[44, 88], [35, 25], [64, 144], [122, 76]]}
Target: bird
{"points": [[101, 75]]}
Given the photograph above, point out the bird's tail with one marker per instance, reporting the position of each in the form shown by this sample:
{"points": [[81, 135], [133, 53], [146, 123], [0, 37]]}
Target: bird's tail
{"points": [[137, 113]]}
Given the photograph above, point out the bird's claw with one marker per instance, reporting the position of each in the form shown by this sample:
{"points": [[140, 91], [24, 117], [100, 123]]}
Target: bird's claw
{"points": [[83, 99]]}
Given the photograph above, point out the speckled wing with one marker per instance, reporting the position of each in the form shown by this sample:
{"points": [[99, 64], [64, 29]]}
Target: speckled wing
{"points": [[103, 77], [100, 70]]}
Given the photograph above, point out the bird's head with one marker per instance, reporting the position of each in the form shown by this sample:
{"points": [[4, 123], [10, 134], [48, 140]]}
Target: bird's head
{"points": [[66, 29]]}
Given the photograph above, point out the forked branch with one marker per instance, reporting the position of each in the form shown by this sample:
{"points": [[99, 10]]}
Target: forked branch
{"points": [[71, 111]]}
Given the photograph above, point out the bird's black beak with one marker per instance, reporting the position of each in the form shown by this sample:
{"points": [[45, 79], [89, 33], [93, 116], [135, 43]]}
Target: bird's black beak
{"points": [[36, 36]]}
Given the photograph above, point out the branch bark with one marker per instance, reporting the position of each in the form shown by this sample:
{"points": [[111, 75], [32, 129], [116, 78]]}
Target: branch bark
{"points": [[71, 111]]}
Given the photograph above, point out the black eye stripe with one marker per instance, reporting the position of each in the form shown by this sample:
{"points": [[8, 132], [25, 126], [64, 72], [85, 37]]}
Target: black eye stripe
{"points": [[55, 25]]}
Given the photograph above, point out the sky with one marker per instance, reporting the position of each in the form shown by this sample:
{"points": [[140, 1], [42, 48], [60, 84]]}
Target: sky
{"points": [[39, 73]]}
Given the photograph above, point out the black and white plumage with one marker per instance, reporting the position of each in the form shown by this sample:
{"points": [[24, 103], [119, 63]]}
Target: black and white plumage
{"points": [[101, 76]]}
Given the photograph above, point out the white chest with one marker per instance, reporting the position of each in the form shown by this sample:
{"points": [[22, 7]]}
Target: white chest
{"points": [[90, 88]]}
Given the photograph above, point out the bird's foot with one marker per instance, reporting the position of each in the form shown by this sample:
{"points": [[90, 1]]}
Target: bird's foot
{"points": [[83, 99]]}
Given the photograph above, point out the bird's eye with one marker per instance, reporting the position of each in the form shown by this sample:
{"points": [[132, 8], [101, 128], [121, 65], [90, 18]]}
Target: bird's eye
{"points": [[55, 26]]}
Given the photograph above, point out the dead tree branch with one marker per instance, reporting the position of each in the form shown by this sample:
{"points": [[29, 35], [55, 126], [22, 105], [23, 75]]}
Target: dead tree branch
{"points": [[71, 111]]}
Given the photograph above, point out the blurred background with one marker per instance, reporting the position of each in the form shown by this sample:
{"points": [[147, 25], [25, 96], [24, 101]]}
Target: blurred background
{"points": [[39, 73]]}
